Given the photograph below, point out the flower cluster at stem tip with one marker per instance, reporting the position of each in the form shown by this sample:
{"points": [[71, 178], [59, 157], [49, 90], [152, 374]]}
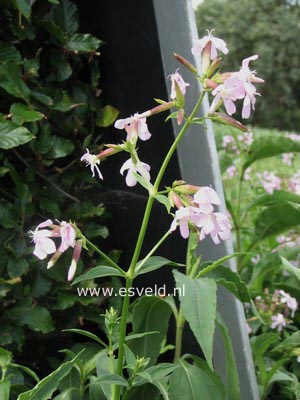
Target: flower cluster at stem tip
{"points": [[195, 205]]}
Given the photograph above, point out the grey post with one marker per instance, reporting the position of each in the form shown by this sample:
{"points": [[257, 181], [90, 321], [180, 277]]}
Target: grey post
{"points": [[198, 162]]}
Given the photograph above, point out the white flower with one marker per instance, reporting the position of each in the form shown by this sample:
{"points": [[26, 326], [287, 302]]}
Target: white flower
{"points": [[92, 161], [139, 168]]}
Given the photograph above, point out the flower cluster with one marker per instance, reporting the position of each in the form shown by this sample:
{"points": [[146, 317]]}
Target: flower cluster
{"points": [[44, 243], [197, 212], [278, 307], [269, 181]]}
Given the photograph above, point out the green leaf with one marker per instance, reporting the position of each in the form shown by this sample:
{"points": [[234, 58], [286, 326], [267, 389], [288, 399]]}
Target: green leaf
{"points": [[232, 378], [82, 42], [143, 182], [87, 334], [21, 113], [220, 261], [289, 267], [65, 15], [7, 215], [5, 358], [11, 81], [45, 388], [112, 379], [231, 281], [261, 343], [289, 344], [163, 200], [11, 135], [60, 147], [266, 146], [8, 52], [98, 272], [16, 267], [266, 266], [5, 389], [275, 219], [3, 171], [149, 314], [107, 116], [198, 298], [27, 371], [63, 68], [139, 335], [24, 7], [153, 263], [154, 373], [191, 382], [42, 98], [36, 318], [278, 197]]}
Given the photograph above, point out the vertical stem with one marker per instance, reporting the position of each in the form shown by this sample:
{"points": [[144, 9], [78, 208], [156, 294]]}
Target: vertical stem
{"points": [[180, 322], [123, 325], [141, 237], [239, 220], [111, 360]]}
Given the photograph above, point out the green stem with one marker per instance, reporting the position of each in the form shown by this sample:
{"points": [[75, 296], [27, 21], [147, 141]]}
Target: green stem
{"points": [[106, 258], [238, 221], [153, 250], [143, 229], [179, 330], [111, 360], [123, 325]]}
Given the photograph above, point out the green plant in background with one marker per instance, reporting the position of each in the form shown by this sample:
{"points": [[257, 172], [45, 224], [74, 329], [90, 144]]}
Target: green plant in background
{"points": [[50, 110], [262, 186], [260, 26], [126, 364]]}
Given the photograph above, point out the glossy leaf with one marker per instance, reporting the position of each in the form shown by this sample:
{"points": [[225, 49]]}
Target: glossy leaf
{"points": [[21, 113], [82, 42], [12, 135], [107, 116], [65, 15], [11, 81], [198, 298]]}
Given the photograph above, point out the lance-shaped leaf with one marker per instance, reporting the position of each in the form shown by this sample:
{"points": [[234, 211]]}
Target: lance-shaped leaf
{"points": [[98, 272], [198, 298], [153, 263]]}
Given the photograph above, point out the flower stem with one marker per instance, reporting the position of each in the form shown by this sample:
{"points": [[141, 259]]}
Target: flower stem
{"points": [[140, 240], [239, 221], [103, 255], [111, 360]]}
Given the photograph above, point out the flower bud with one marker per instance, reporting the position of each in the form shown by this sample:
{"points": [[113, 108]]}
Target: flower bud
{"points": [[54, 259], [206, 58], [210, 84], [214, 65], [187, 189], [110, 151], [175, 200], [227, 120], [186, 63], [158, 109]]}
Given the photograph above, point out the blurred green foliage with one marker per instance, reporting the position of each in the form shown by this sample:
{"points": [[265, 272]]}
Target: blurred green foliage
{"points": [[50, 110], [271, 29]]}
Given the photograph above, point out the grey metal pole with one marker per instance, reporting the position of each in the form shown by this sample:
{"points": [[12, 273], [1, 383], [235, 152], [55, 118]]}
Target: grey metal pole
{"points": [[198, 161]]}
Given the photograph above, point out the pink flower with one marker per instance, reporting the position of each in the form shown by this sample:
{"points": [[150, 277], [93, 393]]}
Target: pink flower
{"points": [[290, 301], [205, 197], [215, 44], [177, 78], [183, 215], [75, 258], [287, 158], [139, 168], [246, 138], [293, 136], [135, 126], [270, 181], [278, 322], [41, 238], [231, 172], [92, 161], [68, 235], [216, 225], [228, 92], [294, 183]]}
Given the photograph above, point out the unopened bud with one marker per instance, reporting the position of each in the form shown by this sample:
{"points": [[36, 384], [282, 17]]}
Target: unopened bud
{"points": [[110, 151], [206, 58], [221, 78], [186, 63], [255, 79], [75, 259], [180, 116], [175, 200], [227, 120], [158, 109], [177, 183], [54, 259], [213, 66], [210, 84], [187, 189]]}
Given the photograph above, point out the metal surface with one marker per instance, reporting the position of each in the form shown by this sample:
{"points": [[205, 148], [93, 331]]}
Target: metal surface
{"points": [[198, 162]]}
